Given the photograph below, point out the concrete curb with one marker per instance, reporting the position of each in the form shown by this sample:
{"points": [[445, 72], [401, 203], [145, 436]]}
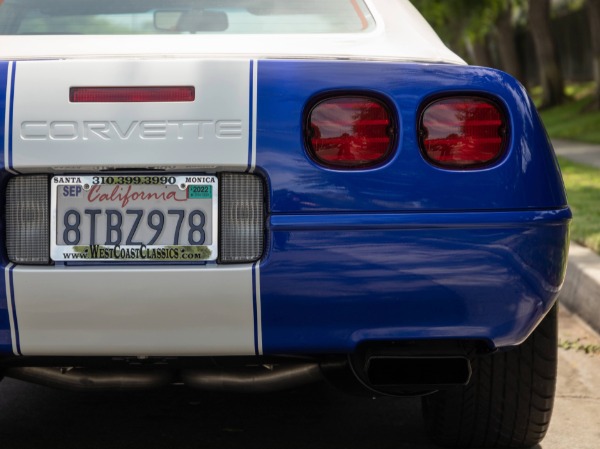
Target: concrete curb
{"points": [[581, 290]]}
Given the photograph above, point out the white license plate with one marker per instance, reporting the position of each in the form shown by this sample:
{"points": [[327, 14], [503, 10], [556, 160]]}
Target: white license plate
{"points": [[139, 218]]}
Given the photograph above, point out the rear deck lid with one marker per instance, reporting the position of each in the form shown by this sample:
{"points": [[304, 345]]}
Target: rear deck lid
{"points": [[105, 114]]}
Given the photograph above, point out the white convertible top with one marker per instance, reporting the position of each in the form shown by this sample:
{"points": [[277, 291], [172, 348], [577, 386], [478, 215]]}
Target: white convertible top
{"points": [[400, 34]]}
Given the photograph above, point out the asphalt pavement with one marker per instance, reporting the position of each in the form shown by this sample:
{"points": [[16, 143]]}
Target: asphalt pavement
{"points": [[581, 291], [314, 417]]}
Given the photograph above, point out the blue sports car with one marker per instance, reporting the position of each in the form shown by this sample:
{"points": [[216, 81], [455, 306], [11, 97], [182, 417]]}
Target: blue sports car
{"points": [[252, 195]]}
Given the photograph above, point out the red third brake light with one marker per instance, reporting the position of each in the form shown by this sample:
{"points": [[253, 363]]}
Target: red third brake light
{"points": [[132, 94], [462, 132], [349, 132]]}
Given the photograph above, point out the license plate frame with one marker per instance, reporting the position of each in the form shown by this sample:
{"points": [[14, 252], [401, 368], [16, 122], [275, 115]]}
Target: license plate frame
{"points": [[117, 194]]}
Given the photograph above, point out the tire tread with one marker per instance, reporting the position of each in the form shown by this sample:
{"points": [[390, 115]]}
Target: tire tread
{"points": [[509, 400]]}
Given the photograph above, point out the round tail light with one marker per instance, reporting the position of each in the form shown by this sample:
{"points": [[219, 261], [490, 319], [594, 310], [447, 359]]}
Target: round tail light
{"points": [[463, 132], [350, 132]]}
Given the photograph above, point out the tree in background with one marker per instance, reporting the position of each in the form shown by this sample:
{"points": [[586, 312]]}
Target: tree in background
{"points": [[538, 22], [446, 20], [505, 34], [594, 18], [470, 26], [477, 22]]}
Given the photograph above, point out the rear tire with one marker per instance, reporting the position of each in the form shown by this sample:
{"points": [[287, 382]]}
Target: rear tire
{"points": [[509, 400]]}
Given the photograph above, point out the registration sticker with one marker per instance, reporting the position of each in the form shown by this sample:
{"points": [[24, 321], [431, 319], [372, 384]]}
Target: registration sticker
{"points": [[200, 192], [140, 218]]}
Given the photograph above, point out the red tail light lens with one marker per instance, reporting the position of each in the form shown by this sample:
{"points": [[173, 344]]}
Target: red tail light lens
{"points": [[132, 94], [463, 132], [350, 132]]}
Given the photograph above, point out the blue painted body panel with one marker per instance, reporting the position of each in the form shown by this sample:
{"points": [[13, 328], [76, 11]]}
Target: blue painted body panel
{"points": [[526, 178], [490, 276], [401, 251], [405, 250]]}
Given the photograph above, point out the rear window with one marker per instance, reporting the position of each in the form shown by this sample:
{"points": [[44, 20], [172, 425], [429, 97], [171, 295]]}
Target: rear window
{"points": [[27, 17]]}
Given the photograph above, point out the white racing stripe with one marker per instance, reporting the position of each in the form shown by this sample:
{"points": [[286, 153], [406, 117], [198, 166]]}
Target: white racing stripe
{"points": [[124, 311], [259, 349], [254, 112], [133, 310], [8, 116], [210, 133], [11, 311]]}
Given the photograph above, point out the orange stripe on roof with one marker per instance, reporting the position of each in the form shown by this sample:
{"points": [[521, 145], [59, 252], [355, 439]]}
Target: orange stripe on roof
{"points": [[363, 20]]}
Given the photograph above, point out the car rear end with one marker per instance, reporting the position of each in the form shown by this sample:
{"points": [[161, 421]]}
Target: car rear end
{"points": [[198, 216]]}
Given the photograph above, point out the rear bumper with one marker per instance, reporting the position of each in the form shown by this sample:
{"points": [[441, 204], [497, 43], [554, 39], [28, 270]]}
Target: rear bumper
{"points": [[330, 285], [325, 285]]}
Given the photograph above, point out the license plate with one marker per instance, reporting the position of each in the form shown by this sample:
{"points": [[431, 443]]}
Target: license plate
{"points": [[137, 218]]}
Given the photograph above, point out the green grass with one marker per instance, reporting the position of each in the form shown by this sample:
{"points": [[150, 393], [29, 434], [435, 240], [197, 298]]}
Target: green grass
{"points": [[573, 120], [579, 345], [583, 190]]}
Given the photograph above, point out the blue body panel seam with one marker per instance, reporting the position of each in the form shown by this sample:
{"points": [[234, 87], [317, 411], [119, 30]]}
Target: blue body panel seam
{"points": [[420, 220]]}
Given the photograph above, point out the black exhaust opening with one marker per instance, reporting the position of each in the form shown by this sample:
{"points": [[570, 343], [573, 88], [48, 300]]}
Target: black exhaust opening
{"points": [[418, 371], [416, 367]]}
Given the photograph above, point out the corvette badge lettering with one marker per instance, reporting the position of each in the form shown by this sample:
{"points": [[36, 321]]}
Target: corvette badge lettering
{"points": [[144, 130]]}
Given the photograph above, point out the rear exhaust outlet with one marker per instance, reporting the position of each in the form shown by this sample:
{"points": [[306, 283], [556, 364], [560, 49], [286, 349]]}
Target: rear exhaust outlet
{"points": [[413, 368], [420, 372]]}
